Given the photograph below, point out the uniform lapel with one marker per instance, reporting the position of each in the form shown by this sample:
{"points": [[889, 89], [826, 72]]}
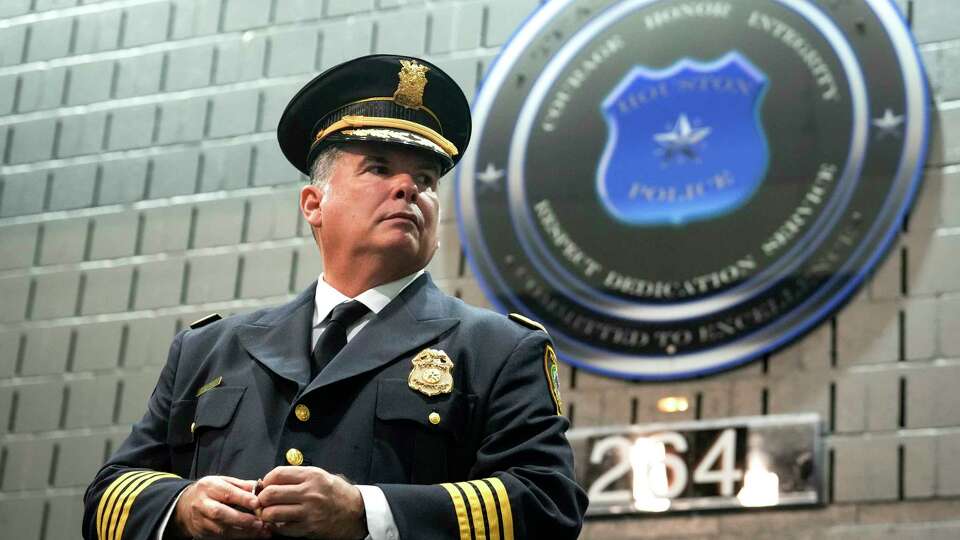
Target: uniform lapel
{"points": [[280, 340], [412, 319]]}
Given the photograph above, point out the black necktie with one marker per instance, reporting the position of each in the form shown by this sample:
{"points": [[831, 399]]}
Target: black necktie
{"points": [[334, 336]]}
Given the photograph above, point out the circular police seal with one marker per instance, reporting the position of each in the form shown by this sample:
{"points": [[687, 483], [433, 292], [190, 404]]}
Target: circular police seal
{"points": [[676, 187]]}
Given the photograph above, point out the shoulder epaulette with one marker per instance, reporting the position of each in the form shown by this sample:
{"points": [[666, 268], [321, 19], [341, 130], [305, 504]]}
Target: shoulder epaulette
{"points": [[200, 323], [528, 322]]}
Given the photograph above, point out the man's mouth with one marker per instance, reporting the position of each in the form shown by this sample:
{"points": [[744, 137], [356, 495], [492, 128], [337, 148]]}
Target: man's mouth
{"points": [[409, 216]]}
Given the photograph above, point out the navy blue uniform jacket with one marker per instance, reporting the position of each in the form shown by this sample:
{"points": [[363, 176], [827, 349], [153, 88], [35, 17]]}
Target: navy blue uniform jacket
{"points": [[496, 465]]}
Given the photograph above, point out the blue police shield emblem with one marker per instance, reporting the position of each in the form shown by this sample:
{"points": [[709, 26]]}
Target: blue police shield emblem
{"points": [[684, 143]]}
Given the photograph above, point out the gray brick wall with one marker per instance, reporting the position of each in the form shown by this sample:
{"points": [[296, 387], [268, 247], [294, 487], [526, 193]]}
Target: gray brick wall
{"points": [[141, 187]]}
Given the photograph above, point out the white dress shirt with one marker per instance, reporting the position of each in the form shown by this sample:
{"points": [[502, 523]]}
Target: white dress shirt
{"points": [[380, 522]]}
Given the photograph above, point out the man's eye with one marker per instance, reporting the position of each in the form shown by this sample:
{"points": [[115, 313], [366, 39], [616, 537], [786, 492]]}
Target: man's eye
{"points": [[427, 180], [379, 170]]}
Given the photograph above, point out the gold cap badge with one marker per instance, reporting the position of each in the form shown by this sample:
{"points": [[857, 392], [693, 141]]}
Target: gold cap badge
{"points": [[413, 80], [431, 373]]}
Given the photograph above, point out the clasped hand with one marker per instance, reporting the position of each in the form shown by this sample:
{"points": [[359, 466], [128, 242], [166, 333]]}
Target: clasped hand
{"points": [[306, 502]]}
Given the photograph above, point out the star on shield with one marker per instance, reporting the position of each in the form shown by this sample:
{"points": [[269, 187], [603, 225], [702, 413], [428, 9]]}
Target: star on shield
{"points": [[681, 139], [888, 124], [489, 178]]}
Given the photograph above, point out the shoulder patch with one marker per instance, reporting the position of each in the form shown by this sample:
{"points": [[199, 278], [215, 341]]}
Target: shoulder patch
{"points": [[528, 322], [200, 323], [552, 370]]}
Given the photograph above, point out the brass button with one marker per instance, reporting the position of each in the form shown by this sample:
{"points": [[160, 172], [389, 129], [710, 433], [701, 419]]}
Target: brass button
{"points": [[193, 427], [302, 412], [294, 457], [434, 418]]}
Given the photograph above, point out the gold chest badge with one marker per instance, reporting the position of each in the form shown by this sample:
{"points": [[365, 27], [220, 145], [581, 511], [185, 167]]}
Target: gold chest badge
{"points": [[413, 80], [432, 373]]}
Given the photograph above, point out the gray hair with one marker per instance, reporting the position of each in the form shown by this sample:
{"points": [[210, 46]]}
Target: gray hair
{"points": [[323, 165]]}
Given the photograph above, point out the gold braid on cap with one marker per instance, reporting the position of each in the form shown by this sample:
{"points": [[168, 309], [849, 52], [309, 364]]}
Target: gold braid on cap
{"points": [[423, 108], [391, 123]]}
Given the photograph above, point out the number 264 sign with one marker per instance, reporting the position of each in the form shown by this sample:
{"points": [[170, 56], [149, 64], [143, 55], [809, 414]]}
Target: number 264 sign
{"points": [[732, 463]]}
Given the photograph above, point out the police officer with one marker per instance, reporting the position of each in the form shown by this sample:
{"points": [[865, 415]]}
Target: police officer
{"points": [[372, 405]]}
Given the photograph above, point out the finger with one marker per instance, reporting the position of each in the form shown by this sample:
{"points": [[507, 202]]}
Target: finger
{"points": [[293, 529], [228, 517], [228, 493], [284, 514], [246, 485], [287, 475], [210, 528], [273, 495], [234, 533], [240, 533]]}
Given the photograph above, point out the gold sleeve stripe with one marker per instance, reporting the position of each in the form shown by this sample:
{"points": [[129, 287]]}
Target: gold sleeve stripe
{"points": [[133, 496], [461, 510], [110, 495], [111, 517], [490, 502], [476, 512], [106, 494], [505, 511]]}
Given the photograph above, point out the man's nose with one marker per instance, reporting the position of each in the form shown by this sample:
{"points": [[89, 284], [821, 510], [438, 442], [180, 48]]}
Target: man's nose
{"points": [[406, 188]]}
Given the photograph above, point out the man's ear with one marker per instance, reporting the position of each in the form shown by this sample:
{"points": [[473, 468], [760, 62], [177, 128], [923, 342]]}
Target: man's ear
{"points": [[311, 196]]}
